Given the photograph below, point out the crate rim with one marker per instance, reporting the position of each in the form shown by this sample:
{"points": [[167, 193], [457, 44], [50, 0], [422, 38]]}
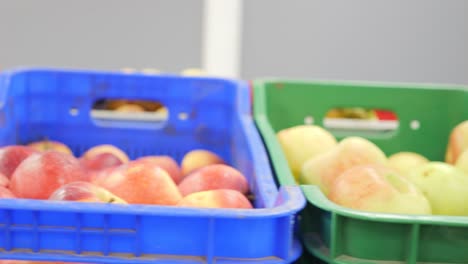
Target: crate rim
{"points": [[293, 204], [316, 197], [262, 81], [25, 69]]}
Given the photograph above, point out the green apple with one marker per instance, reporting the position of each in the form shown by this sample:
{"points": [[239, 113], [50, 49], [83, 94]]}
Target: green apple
{"points": [[322, 169], [462, 161], [299, 143], [377, 188], [444, 185], [404, 161]]}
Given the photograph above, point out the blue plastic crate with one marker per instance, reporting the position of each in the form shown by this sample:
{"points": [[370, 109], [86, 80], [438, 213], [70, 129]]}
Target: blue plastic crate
{"points": [[56, 104]]}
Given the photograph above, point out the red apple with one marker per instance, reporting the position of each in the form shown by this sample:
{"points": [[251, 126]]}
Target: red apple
{"points": [[221, 198], [84, 192], [11, 157], [94, 174], [39, 175], [103, 156], [140, 183], [4, 181], [100, 161], [6, 193], [47, 145], [211, 177], [167, 163], [458, 142]]}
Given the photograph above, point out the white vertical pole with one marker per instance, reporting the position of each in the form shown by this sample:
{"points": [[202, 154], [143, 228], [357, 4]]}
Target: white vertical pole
{"points": [[222, 36]]}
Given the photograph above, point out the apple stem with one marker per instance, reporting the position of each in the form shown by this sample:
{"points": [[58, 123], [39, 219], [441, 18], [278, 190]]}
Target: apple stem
{"points": [[250, 197], [46, 142]]}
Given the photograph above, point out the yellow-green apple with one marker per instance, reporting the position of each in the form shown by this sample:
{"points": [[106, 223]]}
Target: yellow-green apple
{"points": [[302, 142], [445, 186], [377, 188], [462, 161], [323, 169], [199, 158], [404, 161]]}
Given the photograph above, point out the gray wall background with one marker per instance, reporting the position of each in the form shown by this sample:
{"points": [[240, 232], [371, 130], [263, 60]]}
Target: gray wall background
{"points": [[101, 34], [397, 40], [394, 40]]}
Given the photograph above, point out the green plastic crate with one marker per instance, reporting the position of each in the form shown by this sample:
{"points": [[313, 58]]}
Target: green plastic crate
{"points": [[340, 235]]}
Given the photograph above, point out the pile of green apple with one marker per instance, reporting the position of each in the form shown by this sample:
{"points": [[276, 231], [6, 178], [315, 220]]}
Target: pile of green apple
{"points": [[48, 170], [355, 173]]}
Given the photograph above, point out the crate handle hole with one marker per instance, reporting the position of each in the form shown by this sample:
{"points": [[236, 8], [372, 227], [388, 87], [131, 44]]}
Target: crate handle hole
{"points": [[122, 112], [360, 119]]}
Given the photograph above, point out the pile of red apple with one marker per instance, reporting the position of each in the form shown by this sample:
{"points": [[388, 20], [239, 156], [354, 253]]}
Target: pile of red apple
{"points": [[356, 173], [48, 170]]}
